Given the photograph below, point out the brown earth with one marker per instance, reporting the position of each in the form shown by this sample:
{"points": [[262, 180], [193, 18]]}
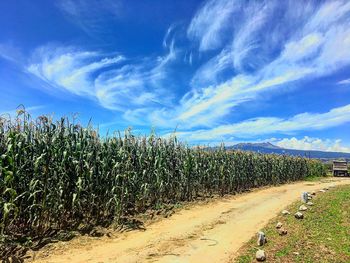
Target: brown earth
{"points": [[209, 232]]}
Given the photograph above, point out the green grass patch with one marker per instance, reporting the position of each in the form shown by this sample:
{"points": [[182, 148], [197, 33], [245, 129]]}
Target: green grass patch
{"points": [[322, 236], [314, 178]]}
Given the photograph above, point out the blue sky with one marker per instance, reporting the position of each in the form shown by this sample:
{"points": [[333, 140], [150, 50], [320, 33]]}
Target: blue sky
{"points": [[214, 71]]}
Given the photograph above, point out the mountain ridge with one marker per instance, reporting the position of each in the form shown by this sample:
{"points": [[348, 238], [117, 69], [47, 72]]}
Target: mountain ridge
{"points": [[267, 147]]}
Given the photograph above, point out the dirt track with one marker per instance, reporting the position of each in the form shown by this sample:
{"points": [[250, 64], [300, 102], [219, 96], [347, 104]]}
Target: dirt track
{"points": [[211, 232]]}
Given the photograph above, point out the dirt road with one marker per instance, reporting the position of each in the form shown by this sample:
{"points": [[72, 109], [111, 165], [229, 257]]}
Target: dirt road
{"points": [[211, 232]]}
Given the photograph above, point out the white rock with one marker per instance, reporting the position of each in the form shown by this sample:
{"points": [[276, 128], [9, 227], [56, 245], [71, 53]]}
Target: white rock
{"points": [[304, 197], [260, 255], [261, 238], [310, 203], [282, 232], [302, 208], [285, 212], [279, 225], [298, 215], [322, 191]]}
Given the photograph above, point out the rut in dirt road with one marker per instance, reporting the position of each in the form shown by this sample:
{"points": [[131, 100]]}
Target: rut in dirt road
{"points": [[210, 232]]}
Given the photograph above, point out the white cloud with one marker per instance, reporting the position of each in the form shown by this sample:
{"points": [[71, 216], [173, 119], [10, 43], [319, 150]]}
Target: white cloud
{"points": [[209, 72], [91, 15], [329, 13], [209, 23], [168, 38], [309, 143], [210, 102], [69, 69], [116, 82], [344, 82], [270, 125], [317, 46], [10, 52], [158, 72], [246, 40]]}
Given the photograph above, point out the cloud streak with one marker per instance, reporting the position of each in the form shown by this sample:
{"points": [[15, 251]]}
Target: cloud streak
{"points": [[115, 82], [318, 47], [91, 15], [344, 82], [209, 24], [270, 125]]}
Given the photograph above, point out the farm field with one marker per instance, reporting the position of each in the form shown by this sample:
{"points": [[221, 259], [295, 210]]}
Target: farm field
{"points": [[57, 177], [211, 232]]}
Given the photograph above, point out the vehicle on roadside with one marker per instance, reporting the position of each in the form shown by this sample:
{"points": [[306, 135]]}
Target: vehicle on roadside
{"points": [[340, 168]]}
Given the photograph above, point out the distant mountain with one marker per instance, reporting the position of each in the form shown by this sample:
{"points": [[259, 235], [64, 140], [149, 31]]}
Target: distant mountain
{"points": [[267, 147]]}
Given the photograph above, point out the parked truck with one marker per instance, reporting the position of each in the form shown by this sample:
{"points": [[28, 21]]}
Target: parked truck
{"points": [[340, 168]]}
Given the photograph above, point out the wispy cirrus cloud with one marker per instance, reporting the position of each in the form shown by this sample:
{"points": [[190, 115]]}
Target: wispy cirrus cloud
{"points": [[115, 82], [91, 15], [317, 45], [344, 82], [211, 73], [11, 53], [270, 125], [209, 24]]}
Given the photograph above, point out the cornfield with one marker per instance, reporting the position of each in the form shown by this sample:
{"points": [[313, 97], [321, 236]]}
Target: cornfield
{"points": [[60, 175]]}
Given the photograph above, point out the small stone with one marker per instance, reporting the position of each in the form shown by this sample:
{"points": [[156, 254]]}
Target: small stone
{"points": [[310, 203], [279, 225], [309, 197], [304, 197], [260, 255], [296, 253], [285, 212], [298, 215], [302, 208], [322, 191], [261, 238], [282, 232]]}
